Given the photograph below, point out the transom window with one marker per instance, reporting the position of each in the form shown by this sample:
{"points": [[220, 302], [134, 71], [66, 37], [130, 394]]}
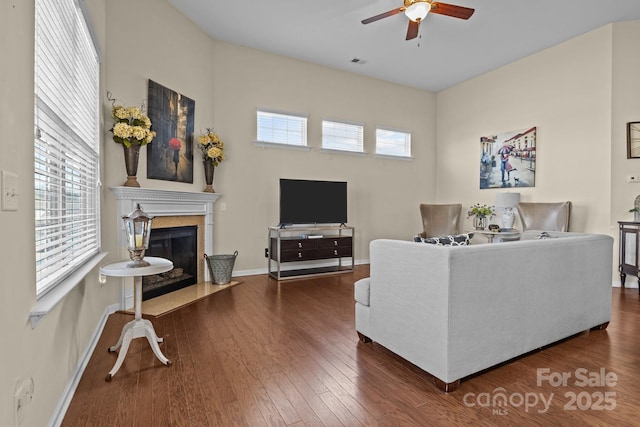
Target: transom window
{"points": [[342, 136], [391, 142], [66, 144], [282, 128]]}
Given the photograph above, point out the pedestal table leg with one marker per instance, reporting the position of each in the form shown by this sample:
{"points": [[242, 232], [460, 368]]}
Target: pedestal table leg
{"points": [[137, 328]]}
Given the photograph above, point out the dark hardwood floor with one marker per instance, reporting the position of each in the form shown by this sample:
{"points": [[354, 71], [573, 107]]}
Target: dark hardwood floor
{"points": [[287, 354]]}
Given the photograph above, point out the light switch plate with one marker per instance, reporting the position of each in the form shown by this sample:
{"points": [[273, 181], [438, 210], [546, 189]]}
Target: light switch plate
{"points": [[9, 191]]}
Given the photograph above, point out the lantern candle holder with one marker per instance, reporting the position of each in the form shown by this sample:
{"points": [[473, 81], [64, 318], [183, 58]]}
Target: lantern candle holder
{"points": [[137, 227]]}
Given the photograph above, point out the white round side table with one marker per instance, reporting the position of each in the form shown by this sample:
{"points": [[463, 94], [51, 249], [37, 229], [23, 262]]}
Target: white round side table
{"points": [[139, 327]]}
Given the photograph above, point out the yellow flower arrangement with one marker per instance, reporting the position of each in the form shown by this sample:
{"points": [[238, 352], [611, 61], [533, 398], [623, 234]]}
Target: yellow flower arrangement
{"points": [[131, 126], [211, 146]]}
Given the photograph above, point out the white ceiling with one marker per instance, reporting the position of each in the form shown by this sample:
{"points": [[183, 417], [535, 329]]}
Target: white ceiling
{"points": [[448, 51]]}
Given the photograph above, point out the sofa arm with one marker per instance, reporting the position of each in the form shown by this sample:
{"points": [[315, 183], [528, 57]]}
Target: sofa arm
{"points": [[409, 299], [361, 291], [362, 309]]}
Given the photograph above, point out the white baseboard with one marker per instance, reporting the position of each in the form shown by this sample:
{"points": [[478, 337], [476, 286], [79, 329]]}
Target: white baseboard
{"points": [[296, 265], [627, 284], [70, 389]]}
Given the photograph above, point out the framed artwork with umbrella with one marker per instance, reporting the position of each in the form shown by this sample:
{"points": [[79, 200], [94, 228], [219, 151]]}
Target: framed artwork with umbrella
{"points": [[170, 155], [508, 159]]}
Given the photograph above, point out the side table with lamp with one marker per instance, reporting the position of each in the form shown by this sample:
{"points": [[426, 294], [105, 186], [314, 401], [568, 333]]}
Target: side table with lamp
{"points": [[137, 228], [490, 234]]}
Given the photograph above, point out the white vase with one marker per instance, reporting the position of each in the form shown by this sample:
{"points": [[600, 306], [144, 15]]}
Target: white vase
{"points": [[508, 217]]}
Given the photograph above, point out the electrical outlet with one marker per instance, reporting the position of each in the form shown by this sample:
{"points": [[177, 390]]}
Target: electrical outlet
{"points": [[223, 206], [633, 178], [9, 191], [21, 398]]}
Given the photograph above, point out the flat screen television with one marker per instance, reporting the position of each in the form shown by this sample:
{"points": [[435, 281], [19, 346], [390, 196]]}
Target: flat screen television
{"points": [[312, 202]]}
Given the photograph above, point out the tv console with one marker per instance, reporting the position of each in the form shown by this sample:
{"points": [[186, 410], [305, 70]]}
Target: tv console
{"points": [[316, 250]]}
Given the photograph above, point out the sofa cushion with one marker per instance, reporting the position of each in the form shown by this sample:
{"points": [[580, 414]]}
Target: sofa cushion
{"points": [[361, 291], [451, 240]]}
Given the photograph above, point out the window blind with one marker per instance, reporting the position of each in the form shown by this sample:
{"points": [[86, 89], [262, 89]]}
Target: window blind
{"points": [[342, 136], [282, 128], [393, 143], [66, 143]]}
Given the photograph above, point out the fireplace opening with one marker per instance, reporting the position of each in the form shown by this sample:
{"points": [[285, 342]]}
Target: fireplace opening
{"points": [[180, 245]]}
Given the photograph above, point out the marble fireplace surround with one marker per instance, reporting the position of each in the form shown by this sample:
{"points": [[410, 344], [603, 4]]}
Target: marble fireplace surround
{"points": [[170, 209]]}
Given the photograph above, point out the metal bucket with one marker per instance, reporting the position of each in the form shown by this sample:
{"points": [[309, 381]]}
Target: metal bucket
{"points": [[221, 267]]}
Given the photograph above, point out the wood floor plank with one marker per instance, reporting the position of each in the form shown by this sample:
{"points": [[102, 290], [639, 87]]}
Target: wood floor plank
{"points": [[266, 353], [161, 376], [343, 413], [243, 386], [320, 409], [179, 386]]}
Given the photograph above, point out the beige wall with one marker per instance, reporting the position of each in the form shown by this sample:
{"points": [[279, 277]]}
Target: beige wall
{"points": [[566, 92], [228, 82], [246, 79], [625, 108], [580, 95], [49, 353]]}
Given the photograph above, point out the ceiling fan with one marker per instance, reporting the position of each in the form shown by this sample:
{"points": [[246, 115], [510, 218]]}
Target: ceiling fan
{"points": [[417, 10]]}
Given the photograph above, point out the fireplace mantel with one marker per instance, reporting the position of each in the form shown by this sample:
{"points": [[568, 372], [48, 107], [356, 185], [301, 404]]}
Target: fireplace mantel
{"points": [[156, 202], [165, 202]]}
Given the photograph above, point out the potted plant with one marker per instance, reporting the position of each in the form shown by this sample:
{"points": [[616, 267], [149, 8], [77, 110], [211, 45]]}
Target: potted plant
{"points": [[212, 149], [132, 129], [480, 213]]}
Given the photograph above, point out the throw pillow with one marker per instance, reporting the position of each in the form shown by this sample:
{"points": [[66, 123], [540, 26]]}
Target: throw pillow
{"points": [[451, 240], [544, 235]]}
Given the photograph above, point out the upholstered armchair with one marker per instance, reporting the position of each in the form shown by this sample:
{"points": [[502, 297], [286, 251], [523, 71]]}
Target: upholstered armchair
{"points": [[440, 220], [545, 216]]}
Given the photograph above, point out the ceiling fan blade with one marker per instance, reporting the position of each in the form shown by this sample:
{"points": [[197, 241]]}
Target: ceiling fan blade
{"points": [[452, 10], [412, 31], [383, 15]]}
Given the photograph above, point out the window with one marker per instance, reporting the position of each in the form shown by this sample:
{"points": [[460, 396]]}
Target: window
{"points": [[279, 128], [393, 143], [342, 136], [66, 144]]}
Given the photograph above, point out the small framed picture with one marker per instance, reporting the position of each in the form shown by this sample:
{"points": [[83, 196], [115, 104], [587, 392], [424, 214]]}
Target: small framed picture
{"points": [[633, 140]]}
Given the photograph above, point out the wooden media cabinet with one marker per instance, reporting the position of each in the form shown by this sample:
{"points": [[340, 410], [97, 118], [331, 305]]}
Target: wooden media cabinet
{"points": [[310, 251]]}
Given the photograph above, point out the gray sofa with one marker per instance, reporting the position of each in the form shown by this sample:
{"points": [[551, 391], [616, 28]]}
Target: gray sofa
{"points": [[456, 310]]}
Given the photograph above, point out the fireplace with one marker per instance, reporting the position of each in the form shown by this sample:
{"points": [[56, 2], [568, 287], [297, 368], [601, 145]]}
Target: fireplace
{"points": [[170, 209], [180, 245]]}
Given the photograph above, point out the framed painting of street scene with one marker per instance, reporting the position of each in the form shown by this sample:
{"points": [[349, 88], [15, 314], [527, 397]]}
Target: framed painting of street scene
{"points": [[508, 159], [170, 154]]}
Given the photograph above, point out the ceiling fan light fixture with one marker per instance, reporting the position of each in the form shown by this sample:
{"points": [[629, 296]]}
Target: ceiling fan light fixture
{"points": [[418, 10]]}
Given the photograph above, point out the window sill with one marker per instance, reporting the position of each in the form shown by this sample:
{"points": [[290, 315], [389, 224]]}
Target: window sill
{"points": [[346, 152], [48, 301], [264, 144], [388, 156]]}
